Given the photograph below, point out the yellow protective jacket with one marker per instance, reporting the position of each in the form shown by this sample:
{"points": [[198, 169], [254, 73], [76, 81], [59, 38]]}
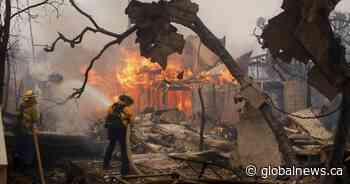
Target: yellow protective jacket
{"points": [[29, 115], [127, 115]]}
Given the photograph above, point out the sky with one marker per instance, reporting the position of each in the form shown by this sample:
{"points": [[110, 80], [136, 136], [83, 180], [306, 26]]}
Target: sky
{"points": [[231, 18]]}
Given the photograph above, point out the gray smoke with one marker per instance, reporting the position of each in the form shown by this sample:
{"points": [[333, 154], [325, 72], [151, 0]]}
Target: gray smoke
{"points": [[231, 18]]}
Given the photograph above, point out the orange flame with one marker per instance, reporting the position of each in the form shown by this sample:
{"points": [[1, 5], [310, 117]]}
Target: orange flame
{"points": [[139, 77], [226, 77], [136, 69]]}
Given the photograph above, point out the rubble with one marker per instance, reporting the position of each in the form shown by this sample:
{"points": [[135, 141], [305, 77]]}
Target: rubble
{"points": [[158, 147], [312, 127], [176, 136], [311, 140], [173, 116]]}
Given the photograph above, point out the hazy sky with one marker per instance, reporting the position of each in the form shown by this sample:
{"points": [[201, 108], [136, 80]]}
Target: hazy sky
{"points": [[233, 18]]}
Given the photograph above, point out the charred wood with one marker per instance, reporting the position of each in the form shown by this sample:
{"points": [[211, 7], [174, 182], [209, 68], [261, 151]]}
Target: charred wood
{"points": [[203, 122], [341, 137]]}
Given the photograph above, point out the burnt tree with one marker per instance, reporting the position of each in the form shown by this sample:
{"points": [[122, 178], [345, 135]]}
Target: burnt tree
{"points": [[203, 120], [7, 18], [303, 31], [4, 35]]}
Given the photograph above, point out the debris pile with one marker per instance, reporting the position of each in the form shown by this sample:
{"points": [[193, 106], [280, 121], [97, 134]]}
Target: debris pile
{"points": [[311, 140], [167, 131]]}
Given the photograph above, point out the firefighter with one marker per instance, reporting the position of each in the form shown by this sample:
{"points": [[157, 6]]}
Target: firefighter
{"points": [[24, 157], [118, 117]]}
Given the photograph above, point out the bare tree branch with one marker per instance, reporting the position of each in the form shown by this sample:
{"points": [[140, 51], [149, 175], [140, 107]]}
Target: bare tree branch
{"points": [[84, 13], [78, 39], [29, 7], [98, 28], [79, 92], [54, 5]]}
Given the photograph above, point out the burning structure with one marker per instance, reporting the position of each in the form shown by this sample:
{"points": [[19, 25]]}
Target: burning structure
{"points": [[174, 87]]}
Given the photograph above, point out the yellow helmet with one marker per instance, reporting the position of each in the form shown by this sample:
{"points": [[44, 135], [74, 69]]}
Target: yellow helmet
{"points": [[28, 95]]}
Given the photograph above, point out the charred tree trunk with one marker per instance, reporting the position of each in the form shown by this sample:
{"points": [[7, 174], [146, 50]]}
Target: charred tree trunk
{"points": [[4, 35], [308, 96], [308, 88], [7, 89], [214, 44], [340, 139], [203, 120]]}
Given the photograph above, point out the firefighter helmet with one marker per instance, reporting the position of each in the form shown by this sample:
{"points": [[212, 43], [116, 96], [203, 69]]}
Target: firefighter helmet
{"points": [[29, 94], [126, 99]]}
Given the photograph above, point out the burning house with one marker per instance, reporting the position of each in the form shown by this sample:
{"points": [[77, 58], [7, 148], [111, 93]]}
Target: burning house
{"points": [[172, 88]]}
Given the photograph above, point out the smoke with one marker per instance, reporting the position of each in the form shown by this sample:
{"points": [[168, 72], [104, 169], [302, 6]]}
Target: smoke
{"points": [[343, 6], [233, 19], [236, 20], [76, 116]]}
